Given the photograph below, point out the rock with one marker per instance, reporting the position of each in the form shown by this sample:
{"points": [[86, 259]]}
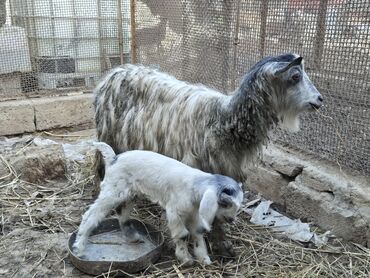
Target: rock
{"points": [[282, 163], [18, 116], [36, 164], [326, 211], [315, 180], [35, 114], [63, 111], [317, 191], [267, 182]]}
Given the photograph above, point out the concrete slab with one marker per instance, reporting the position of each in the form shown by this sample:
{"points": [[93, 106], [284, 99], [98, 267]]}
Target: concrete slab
{"points": [[37, 114], [315, 190], [35, 164], [16, 117], [63, 111]]}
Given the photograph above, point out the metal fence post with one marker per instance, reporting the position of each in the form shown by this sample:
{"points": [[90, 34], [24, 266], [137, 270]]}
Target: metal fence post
{"points": [[236, 42], [225, 43], [133, 31], [264, 12], [320, 33], [120, 30], [185, 41]]}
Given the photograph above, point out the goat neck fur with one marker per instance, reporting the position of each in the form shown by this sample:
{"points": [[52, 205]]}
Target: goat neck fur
{"points": [[142, 108]]}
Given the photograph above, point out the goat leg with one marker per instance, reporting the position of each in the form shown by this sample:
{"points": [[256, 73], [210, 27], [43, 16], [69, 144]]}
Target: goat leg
{"points": [[99, 167], [220, 245]]}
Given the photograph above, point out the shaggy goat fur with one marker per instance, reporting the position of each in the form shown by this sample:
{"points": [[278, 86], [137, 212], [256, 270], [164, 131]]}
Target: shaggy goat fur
{"points": [[142, 108], [161, 179]]}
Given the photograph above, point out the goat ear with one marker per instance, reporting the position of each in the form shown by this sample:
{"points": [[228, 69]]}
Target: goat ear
{"points": [[225, 201], [207, 209], [295, 62]]}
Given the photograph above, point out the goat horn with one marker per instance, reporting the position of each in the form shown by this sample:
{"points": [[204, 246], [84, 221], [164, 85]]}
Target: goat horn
{"points": [[295, 62]]}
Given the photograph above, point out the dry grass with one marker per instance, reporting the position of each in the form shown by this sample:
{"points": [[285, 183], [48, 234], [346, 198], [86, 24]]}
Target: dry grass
{"points": [[36, 219]]}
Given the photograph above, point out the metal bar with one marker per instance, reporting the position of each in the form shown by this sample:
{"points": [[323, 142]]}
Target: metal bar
{"points": [[53, 28], [74, 41], [33, 44], [68, 38], [133, 31], [79, 58], [120, 30], [264, 12], [67, 17], [320, 33], [184, 41], [11, 11]]}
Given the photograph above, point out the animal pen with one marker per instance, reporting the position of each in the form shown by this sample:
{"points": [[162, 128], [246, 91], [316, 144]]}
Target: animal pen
{"points": [[56, 49]]}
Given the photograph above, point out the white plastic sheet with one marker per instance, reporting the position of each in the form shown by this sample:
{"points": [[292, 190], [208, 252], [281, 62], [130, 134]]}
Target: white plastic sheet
{"points": [[78, 151], [263, 214], [72, 152]]}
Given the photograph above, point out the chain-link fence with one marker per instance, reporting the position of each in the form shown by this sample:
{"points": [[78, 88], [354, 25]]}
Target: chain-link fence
{"points": [[57, 45], [53, 45]]}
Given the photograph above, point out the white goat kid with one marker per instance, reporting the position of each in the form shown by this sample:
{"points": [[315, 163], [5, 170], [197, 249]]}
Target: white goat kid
{"points": [[192, 198]]}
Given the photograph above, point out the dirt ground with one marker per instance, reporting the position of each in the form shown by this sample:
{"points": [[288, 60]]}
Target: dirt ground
{"points": [[36, 220]]}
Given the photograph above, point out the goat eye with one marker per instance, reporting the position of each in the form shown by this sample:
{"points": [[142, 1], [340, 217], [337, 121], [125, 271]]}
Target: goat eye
{"points": [[227, 191], [296, 77]]}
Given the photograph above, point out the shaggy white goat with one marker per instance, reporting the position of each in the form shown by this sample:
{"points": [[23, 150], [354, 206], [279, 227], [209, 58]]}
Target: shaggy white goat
{"points": [[142, 108], [192, 198]]}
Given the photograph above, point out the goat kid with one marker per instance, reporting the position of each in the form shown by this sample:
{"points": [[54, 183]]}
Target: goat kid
{"points": [[192, 199]]}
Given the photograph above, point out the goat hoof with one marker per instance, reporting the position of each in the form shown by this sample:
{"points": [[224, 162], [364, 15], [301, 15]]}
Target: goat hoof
{"points": [[187, 262], [224, 249], [206, 261], [78, 248], [77, 252]]}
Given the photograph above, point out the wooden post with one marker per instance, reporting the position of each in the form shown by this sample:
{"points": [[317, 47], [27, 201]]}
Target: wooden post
{"points": [[29, 22], [11, 11], [320, 33], [120, 30], [185, 42], [236, 42], [103, 67], [225, 43], [264, 12], [133, 32]]}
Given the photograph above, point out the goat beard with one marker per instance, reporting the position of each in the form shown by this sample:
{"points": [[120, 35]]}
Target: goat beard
{"points": [[290, 122]]}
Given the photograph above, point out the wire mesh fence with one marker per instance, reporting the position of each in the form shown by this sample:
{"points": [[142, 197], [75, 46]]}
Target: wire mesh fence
{"points": [[57, 45], [51, 45], [216, 42]]}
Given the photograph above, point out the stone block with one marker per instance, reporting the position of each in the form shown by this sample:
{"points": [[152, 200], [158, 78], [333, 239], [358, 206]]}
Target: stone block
{"points": [[327, 211], [282, 162], [36, 164], [266, 182], [16, 117], [63, 111]]}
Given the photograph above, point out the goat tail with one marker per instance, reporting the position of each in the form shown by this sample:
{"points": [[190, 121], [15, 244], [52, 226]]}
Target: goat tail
{"points": [[107, 152]]}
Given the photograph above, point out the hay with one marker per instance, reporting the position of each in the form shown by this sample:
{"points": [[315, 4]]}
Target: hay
{"points": [[36, 219]]}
